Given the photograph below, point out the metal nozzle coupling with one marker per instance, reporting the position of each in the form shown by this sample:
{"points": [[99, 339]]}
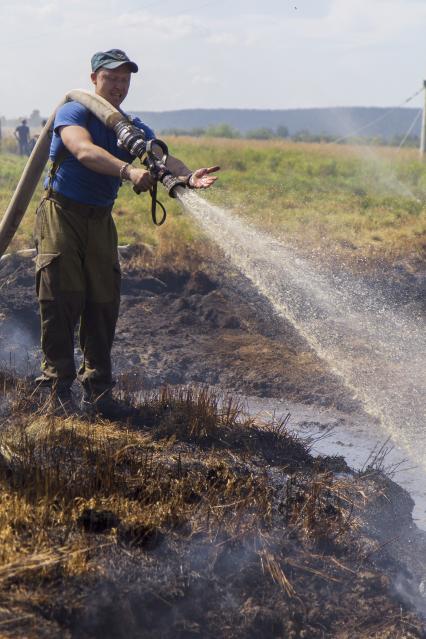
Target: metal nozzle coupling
{"points": [[170, 182], [130, 138]]}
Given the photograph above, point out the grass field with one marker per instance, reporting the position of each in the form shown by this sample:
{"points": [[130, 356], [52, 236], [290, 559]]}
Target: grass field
{"points": [[351, 199]]}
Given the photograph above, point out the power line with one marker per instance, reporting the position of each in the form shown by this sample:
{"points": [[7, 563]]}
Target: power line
{"points": [[411, 127], [378, 119]]}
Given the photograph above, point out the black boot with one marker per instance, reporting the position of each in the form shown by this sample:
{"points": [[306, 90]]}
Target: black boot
{"points": [[63, 403], [105, 405], [55, 397]]}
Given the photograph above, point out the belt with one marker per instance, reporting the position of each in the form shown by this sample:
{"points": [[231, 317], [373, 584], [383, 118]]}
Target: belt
{"points": [[78, 207]]}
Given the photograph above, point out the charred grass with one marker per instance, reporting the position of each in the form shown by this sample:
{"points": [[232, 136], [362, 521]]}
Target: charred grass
{"points": [[189, 520]]}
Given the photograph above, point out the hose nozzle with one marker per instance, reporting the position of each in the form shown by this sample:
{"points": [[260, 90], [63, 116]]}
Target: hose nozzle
{"points": [[171, 182], [134, 141]]}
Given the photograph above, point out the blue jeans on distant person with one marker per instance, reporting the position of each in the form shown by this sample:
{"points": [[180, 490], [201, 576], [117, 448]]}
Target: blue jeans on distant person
{"points": [[23, 147]]}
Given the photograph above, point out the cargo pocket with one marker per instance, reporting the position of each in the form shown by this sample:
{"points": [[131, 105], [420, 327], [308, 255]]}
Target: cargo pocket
{"points": [[47, 276]]}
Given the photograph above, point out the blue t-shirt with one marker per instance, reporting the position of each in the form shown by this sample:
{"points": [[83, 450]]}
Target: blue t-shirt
{"points": [[72, 179]]}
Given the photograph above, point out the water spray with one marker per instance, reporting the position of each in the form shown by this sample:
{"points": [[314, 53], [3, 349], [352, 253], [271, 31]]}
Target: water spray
{"points": [[377, 350]]}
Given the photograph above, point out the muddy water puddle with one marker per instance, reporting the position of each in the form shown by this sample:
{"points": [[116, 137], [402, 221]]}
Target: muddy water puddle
{"points": [[356, 437]]}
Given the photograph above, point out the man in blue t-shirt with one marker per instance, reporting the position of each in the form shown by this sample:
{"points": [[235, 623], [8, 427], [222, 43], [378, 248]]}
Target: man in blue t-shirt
{"points": [[78, 273], [22, 134]]}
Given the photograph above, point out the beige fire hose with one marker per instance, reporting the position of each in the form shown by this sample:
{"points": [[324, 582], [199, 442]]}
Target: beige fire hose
{"points": [[102, 109]]}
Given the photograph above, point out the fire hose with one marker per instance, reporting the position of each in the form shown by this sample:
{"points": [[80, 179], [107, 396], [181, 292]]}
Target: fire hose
{"points": [[129, 137]]}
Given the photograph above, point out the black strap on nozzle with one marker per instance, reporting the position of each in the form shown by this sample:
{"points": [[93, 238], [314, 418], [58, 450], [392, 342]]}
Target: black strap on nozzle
{"points": [[153, 165], [154, 202], [133, 140]]}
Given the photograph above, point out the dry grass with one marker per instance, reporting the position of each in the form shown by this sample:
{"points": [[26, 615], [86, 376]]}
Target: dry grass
{"points": [[54, 469], [189, 472]]}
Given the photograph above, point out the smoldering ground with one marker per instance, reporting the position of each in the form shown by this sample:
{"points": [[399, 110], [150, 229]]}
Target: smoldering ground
{"points": [[20, 333], [179, 525], [185, 319], [192, 520]]}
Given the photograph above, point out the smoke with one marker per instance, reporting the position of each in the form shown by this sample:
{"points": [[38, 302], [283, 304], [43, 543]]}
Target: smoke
{"points": [[411, 592], [383, 178], [18, 348]]}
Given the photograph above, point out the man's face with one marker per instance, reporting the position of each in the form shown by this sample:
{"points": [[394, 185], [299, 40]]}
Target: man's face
{"points": [[112, 84]]}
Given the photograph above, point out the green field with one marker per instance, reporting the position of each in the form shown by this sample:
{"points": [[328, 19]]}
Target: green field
{"points": [[359, 200]]}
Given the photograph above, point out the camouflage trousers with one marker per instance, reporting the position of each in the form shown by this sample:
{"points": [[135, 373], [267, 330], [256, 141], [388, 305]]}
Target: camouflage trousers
{"points": [[77, 280]]}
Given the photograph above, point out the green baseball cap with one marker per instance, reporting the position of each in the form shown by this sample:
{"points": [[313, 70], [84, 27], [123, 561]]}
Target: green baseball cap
{"points": [[111, 60]]}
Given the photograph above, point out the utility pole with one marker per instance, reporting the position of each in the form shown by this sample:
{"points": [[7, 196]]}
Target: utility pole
{"points": [[423, 132]]}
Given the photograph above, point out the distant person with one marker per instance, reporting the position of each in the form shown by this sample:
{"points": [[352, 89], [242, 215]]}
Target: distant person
{"points": [[32, 143], [22, 134]]}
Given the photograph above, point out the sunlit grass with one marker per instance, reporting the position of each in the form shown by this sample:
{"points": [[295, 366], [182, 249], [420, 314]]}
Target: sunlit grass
{"points": [[353, 198]]}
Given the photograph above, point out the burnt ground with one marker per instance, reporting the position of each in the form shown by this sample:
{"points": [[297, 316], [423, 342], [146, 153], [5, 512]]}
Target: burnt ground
{"points": [[183, 321], [202, 528], [187, 523], [192, 318]]}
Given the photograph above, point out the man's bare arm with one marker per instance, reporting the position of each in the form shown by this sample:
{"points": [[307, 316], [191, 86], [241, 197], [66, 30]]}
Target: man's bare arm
{"points": [[177, 167], [200, 179], [79, 142]]}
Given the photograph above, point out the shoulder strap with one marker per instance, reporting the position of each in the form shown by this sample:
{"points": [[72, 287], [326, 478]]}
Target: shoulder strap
{"points": [[63, 153]]}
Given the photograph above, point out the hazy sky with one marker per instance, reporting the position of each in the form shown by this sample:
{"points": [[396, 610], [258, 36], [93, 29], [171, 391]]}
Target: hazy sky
{"points": [[198, 53]]}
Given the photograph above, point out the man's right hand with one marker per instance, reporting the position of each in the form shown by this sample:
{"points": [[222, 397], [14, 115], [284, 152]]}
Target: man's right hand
{"points": [[141, 179], [79, 142]]}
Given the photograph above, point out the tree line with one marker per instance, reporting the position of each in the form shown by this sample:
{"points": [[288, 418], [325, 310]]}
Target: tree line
{"points": [[281, 132], [227, 131]]}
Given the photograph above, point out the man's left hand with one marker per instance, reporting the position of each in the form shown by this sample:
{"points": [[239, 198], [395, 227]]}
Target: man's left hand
{"points": [[201, 178]]}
